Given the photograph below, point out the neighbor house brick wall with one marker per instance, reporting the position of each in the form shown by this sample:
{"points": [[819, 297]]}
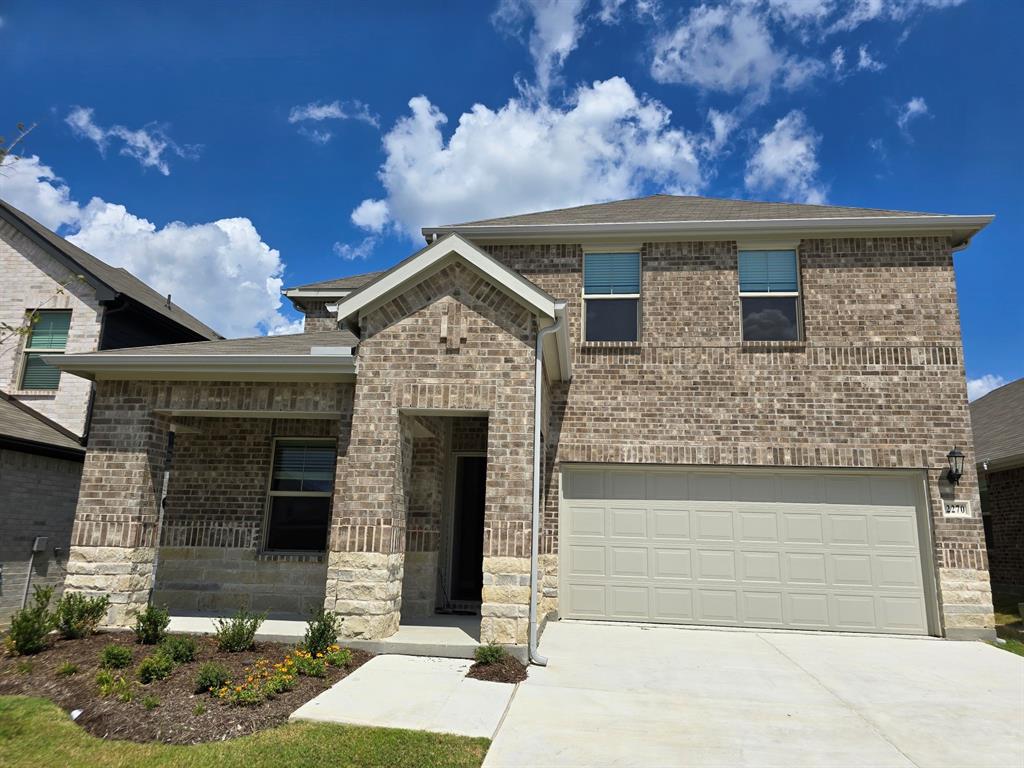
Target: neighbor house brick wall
{"points": [[1004, 502], [32, 279], [37, 498], [317, 318]]}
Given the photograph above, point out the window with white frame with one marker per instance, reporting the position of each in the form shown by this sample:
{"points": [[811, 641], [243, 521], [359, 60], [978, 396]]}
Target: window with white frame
{"points": [[611, 296], [770, 295], [47, 335], [299, 503]]}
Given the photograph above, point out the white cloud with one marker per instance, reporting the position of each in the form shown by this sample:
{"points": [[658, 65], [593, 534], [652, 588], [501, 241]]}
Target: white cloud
{"points": [[785, 162], [357, 252], [607, 143], [610, 10], [729, 48], [907, 113], [799, 12], [221, 271], [147, 144], [555, 30], [838, 59], [317, 112], [722, 126], [983, 385], [372, 215], [861, 11], [288, 327], [866, 62]]}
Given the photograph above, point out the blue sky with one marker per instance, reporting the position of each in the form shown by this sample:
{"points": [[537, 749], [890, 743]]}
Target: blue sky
{"points": [[223, 150]]}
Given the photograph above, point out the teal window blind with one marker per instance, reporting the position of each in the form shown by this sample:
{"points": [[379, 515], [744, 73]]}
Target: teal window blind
{"points": [[303, 467], [48, 335], [611, 273], [768, 272]]}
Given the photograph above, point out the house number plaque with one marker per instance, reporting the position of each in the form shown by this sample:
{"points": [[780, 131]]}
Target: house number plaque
{"points": [[956, 509]]}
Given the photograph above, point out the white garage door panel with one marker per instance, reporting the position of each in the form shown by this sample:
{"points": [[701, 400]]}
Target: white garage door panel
{"points": [[744, 548]]}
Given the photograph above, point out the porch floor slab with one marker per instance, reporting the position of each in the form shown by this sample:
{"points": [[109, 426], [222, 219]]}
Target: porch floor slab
{"points": [[273, 630], [415, 692], [448, 636]]}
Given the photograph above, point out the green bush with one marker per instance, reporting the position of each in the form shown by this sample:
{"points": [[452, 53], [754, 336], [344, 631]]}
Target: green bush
{"points": [[338, 657], [111, 684], [308, 665], [156, 666], [181, 650], [490, 654], [211, 677], [67, 669], [321, 632], [151, 625], [239, 632], [199, 709], [150, 702], [78, 615], [31, 625], [114, 656]]}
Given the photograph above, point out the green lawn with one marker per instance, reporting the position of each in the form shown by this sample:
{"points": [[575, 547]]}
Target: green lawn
{"points": [[1009, 625], [34, 733]]}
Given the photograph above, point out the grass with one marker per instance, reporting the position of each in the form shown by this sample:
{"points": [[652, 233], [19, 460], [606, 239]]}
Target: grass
{"points": [[1009, 624], [34, 732]]}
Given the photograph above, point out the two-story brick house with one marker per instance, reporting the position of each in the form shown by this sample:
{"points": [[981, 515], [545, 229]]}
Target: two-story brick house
{"points": [[67, 302], [668, 409]]}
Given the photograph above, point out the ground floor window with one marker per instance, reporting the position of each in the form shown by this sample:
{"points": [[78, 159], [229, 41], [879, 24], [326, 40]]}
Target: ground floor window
{"points": [[299, 504]]}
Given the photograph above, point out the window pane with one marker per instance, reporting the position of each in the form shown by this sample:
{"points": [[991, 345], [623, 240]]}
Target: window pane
{"points": [[605, 273], [298, 522], [770, 319], [39, 375], [50, 331], [612, 319], [767, 271], [305, 467]]}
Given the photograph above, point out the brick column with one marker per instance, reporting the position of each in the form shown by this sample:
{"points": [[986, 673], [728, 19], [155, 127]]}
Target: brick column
{"points": [[112, 542]]}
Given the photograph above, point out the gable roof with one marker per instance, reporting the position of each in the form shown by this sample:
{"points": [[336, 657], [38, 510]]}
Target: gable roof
{"points": [[997, 420], [21, 427], [686, 213], [112, 281], [338, 286]]}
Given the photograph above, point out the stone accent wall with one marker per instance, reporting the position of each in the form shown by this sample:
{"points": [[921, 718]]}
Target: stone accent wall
{"points": [[505, 611], [31, 279], [877, 382], [37, 498], [1003, 501]]}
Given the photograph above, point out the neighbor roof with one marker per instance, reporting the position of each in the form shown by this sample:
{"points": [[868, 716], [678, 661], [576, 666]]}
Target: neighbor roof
{"points": [[22, 427], [342, 284], [998, 423], [116, 279], [290, 344]]}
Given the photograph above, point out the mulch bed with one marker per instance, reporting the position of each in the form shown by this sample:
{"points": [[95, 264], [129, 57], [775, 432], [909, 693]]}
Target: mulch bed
{"points": [[178, 719], [508, 670]]}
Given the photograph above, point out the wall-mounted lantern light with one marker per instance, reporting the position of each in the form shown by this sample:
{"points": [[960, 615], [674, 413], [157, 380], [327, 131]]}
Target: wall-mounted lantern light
{"points": [[956, 466]]}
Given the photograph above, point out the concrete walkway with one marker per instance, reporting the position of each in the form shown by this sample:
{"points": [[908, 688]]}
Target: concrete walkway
{"points": [[420, 693], [618, 695]]}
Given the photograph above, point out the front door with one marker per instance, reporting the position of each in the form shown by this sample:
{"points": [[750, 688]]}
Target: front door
{"points": [[468, 529]]}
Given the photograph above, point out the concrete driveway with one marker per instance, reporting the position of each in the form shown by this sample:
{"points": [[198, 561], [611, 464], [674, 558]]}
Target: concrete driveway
{"points": [[617, 695]]}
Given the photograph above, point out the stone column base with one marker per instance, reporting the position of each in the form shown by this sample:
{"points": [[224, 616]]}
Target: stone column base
{"points": [[505, 611], [547, 599], [967, 611], [365, 590], [124, 574]]}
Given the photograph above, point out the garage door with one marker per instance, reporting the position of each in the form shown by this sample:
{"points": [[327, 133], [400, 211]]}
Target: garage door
{"points": [[827, 551]]}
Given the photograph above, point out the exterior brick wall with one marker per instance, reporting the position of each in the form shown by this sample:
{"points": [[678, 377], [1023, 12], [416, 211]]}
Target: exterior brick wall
{"points": [[37, 498], [1003, 501]]}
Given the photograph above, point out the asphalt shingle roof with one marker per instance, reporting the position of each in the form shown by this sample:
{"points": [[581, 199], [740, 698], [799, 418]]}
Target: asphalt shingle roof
{"points": [[350, 283], [997, 420], [20, 422], [293, 344]]}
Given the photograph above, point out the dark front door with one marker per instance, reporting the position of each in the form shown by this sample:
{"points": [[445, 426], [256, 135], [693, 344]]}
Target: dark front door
{"points": [[468, 528]]}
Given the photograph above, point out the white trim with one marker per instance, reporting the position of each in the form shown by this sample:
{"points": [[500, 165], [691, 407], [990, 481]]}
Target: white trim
{"points": [[298, 293], [329, 367], [612, 248]]}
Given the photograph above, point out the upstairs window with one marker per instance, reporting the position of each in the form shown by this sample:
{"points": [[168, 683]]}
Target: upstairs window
{"points": [[47, 336], [611, 296], [769, 295], [299, 507]]}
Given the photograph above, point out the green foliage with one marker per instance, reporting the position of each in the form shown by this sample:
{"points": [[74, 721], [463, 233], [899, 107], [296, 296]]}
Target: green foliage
{"points": [[490, 654], [114, 685], [31, 625], [321, 632], [78, 615], [199, 709], [67, 669], [114, 656], [24, 667], [211, 677], [156, 666], [338, 657], [150, 702], [181, 650], [308, 665], [151, 625], [239, 632]]}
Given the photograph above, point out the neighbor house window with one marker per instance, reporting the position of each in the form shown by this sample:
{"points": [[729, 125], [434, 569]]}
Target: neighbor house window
{"points": [[48, 335], [769, 295], [611, 296], [299, 508]]}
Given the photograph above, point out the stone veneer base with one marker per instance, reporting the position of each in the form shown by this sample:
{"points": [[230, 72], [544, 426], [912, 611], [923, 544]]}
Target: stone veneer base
{"points": [[124, 574], [365, 588]]}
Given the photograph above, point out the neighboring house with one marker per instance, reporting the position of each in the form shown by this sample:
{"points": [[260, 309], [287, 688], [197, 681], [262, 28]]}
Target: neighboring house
{"points": [[745, 411], [998, 420], [68, 302]]}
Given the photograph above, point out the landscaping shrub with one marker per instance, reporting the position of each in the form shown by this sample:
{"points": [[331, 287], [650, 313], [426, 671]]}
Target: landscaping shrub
{"points": [[239, 632], [199, 709], [78, 615], [338, 657], [151, 625], [67, 669], [150, 702], [261, 682], [321, 632], [114, 656], [211, 677], [156, 666], [31, 625], [180, 650], [111, 684], [490, 654], [308, 665]]}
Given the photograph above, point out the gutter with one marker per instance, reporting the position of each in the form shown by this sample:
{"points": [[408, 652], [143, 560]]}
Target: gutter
{"points": [[91, 365]]}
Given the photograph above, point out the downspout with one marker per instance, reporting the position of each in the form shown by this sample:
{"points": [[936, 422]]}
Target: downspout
{"points": [[535, 657]]}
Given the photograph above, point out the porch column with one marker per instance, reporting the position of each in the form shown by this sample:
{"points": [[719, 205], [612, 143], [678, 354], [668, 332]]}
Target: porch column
{"points": [[112, 542]]}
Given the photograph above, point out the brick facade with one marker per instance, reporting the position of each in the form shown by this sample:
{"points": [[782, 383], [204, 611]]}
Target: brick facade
{"points": [[1003, 503]]}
